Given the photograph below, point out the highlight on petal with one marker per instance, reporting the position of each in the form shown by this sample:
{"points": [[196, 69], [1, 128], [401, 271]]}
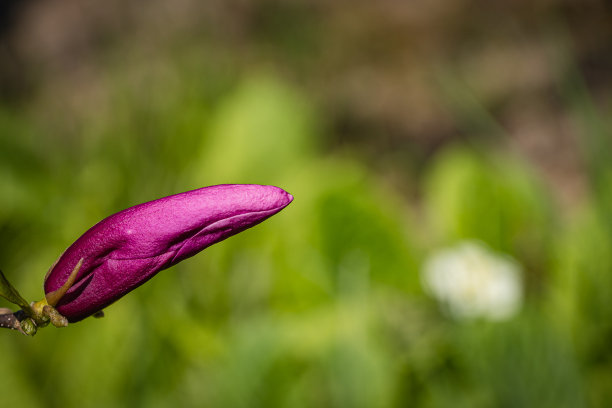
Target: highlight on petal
{"points": [[126, 249]]}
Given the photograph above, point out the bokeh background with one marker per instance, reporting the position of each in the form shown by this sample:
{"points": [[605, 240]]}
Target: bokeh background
{"points": [[450, 242]]}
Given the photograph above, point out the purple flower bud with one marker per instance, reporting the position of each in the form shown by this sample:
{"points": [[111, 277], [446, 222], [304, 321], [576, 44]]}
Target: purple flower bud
{"points": [[126, 249]]}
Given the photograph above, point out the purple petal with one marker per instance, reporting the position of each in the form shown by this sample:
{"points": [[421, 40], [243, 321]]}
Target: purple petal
{"points": [[126, 249]]}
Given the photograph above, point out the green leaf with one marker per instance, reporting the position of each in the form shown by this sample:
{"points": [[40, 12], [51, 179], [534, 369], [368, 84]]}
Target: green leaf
{"points": [[11, 294]]}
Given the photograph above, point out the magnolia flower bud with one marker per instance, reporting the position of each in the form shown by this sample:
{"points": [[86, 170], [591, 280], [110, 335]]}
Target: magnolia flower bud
{"points": [[126, 249]]}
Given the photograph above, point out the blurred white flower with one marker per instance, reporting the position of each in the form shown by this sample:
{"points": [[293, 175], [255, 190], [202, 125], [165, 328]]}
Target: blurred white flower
{"points": [[471, 281]]}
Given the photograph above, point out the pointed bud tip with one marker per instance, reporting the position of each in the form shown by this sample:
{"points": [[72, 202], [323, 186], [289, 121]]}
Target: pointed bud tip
{"points": [[288, 198]]}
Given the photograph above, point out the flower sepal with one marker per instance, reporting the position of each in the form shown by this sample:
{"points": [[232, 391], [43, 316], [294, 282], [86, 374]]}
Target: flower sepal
{"points": [[36, 314]]}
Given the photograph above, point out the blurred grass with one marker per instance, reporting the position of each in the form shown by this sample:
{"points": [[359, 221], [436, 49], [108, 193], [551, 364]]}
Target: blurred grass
{"points": [[322, 304]]}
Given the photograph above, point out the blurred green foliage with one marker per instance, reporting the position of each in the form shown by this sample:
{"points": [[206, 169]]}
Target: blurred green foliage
{"points": [[488, 196], [320, 306]]}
